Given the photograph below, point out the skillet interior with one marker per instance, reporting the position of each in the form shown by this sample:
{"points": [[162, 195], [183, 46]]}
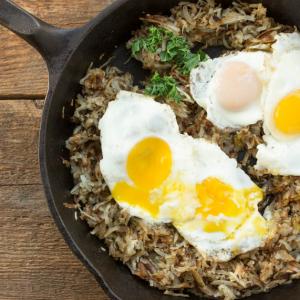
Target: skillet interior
{"points": [[110, 29]]}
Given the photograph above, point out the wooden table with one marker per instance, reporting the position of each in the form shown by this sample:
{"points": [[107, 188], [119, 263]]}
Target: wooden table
{"points": [[35, 262]]}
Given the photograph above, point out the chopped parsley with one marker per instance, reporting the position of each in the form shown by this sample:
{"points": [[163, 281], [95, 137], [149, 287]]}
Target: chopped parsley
{"points": [[137, 46], [176, 46], [149, 43], [163, 86], [190, 61], [170, 47]]}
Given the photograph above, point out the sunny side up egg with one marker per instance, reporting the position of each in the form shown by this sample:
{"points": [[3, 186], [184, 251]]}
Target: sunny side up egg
{"points": [[281, 152], [162, 176], [231, 88]]}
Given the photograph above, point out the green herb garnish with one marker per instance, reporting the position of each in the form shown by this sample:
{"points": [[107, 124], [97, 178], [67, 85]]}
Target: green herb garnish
{"points": [[170, 47], [137, 46], [154, 39], [176, 46], [163, 86], [191, 60], [149, 43]]}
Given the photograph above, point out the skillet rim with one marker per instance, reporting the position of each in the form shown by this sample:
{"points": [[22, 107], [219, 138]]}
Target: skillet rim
{"points": [[55, 76]]}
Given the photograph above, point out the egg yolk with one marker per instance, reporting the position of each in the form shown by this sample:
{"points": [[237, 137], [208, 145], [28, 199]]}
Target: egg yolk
{"points": [[179, 192], [148, 165], [238, 85], [287, 114], [218, 198], [123, 192]]}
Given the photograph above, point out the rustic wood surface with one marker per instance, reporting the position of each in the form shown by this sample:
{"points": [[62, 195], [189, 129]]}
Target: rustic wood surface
{"points": [[22, 71], [35, 262]]}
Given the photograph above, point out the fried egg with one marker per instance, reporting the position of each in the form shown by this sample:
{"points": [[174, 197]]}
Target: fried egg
{"points": [[141, 152], [162, 176], [281, 151], [231, 88]]}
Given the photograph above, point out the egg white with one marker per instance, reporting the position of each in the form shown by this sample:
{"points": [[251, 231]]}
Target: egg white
{"points": [[218, 246], [285, 42], [128, 120]]}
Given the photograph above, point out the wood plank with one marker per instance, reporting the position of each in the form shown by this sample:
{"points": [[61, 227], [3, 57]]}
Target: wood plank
{"points": [[35, 262], [66, 14], [19, 130], [22, 70]]}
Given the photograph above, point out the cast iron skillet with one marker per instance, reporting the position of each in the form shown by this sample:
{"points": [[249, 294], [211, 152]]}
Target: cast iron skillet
{"points": [[68, 54]]}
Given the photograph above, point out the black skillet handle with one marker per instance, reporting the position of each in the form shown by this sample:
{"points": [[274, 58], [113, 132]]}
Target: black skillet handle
{"points": [[52, 43]]}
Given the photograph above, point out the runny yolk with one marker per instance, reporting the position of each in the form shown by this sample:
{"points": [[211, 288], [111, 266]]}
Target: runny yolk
{"points": [[148, 165], [123, 192], [287, 114], [218, 198]]}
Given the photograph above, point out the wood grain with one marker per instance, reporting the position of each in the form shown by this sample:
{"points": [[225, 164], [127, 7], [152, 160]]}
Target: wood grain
{"points": [[22, 70], [19, 130], [35, 262]]}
